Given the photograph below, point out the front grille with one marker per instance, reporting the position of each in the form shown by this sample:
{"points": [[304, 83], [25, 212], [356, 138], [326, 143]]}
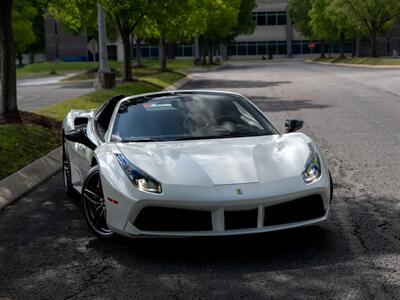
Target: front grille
{"points": [[299, 210], [173, 219], [241, 219]]}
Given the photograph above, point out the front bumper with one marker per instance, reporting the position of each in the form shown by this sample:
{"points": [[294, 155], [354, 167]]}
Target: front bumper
{"points": [[229, 212], [189, 218]]}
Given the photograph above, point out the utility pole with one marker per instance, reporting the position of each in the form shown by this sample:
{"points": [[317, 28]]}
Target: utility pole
{"points": [[106, 79]]}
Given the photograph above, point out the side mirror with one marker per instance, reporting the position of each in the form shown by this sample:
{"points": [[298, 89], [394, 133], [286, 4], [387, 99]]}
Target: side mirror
{"points": [[292, 125], [78, 135]]}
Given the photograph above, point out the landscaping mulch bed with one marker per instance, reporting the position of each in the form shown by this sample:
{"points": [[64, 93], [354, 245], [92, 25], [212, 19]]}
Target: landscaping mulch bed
{"points": [[24, 117]]}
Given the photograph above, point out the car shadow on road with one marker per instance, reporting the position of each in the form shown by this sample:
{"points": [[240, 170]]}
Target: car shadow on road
{"points": [[268, 104], [283, 250], [46, 249]]}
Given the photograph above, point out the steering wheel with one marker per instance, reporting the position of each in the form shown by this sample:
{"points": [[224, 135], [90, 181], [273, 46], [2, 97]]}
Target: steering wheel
{"points": [[219, 120]]}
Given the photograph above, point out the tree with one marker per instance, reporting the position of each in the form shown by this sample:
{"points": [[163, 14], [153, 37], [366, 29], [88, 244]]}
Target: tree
{"points": [[24, 12], [8, 103], [372, 16], [127, 14], [299, 13], [176, 20], [79, 16], [222, 19], [245, 23], [76, 16], [321, 23]]}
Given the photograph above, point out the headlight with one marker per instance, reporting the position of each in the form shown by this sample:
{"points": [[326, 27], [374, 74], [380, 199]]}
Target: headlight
{"points": [[140, 179], [312, 169]]}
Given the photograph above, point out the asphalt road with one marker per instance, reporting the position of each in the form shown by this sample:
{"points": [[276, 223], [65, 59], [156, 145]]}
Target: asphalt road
{"points": [[46, 251], [38, 92]]}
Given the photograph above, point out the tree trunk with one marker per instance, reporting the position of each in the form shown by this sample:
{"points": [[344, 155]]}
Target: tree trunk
{"points": [[210, 53], [163, 55], [138, 52], [358, 41], [342, 37], [354, 52], [19, 56], [322, 48], [374, 44], [127, 56], [171, 50], [8, 103], [203, 59]]}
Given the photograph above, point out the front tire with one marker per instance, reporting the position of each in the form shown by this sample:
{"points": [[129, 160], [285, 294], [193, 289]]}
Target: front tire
{"points": [[93, 205]]}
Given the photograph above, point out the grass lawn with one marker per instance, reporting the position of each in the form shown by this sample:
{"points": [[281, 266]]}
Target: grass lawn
{"points": [[47, 68], [373, 61], [150, 82], [22, 144], [95, 99]]}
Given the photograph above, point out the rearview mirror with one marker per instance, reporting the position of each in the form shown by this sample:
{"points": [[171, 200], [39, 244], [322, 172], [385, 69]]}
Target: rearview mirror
{"points": [[78, 135], [292, 125]]}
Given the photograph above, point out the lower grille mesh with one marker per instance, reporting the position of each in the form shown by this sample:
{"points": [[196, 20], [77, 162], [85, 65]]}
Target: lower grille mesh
{"points": [[299, 210], [173, 219]]}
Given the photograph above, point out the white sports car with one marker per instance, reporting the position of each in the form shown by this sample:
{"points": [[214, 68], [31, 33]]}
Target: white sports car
{"points": [[191, 163]]}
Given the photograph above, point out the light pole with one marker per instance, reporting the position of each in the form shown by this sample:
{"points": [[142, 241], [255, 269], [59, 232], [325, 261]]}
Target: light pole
{"points": [[106, 79]]}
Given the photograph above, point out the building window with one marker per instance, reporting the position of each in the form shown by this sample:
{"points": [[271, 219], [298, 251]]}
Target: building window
{"points": [[282, 18], [261, 19], [270, 18], [257, 48]]}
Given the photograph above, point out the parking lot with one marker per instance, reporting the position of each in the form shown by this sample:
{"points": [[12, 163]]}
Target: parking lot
{"points": [[46, 250]]}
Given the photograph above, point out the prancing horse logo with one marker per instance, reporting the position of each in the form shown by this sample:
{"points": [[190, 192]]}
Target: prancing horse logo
{"points": [[239, 191]]}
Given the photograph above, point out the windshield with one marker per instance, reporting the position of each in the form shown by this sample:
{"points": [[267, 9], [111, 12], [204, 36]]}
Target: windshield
{"points": [[186, 116]]}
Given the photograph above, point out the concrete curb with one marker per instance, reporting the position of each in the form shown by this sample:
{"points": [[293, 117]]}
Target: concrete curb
{"points": [[180, 83], [29, 177], [353, 65], [32, 175]]}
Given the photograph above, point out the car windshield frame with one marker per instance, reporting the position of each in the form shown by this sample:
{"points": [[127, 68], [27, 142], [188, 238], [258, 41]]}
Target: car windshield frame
{"points": [[256, 113]]}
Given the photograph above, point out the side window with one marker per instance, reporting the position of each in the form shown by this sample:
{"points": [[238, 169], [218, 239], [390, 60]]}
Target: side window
{"points": [[247, 117]]}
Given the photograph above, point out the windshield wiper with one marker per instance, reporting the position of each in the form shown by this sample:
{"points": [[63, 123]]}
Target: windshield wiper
{"points": [[208, 137], [139, 140]]}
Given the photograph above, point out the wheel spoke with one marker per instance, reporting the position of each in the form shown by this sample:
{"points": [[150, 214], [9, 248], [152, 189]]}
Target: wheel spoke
{"points": [[99, 212], [92, 197]]}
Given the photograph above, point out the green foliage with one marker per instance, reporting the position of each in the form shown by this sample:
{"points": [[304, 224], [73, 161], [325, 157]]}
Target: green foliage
{"points": [[372, 15], [126, 13], [299, 13], [177, 19], [245, 24], [222, 19], [78, 16], [23, 15], [326, 19], [322, 24]]}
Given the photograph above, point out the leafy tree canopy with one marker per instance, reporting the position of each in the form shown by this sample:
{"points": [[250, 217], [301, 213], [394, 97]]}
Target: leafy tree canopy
{"points": [[299, 13]]}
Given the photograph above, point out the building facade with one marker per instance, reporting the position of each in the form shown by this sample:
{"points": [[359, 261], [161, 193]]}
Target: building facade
{"points": [[62, 45], [274, 35]]}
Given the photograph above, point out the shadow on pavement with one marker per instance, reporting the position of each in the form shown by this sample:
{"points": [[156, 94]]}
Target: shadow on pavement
{"points": [[231, 84], [276, 105], [46, 250], [76, 85]]}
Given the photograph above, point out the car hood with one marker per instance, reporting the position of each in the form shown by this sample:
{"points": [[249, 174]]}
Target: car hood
{"points": [[221, 161]]}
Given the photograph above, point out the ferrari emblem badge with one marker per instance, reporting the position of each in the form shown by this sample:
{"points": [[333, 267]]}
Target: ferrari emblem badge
{"points": [[239, 191]]}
